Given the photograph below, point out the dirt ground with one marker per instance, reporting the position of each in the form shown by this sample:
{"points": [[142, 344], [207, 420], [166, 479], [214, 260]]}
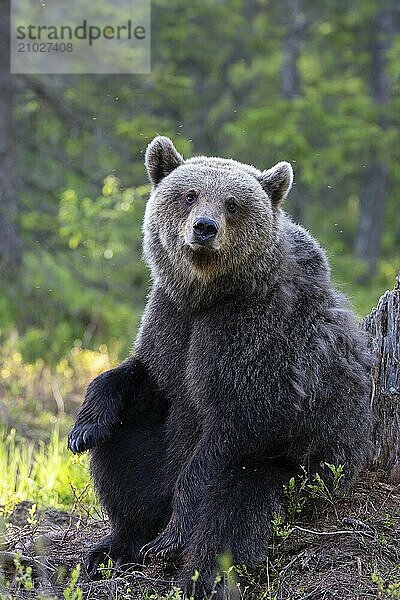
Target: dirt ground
{"points": [[348, 551]]}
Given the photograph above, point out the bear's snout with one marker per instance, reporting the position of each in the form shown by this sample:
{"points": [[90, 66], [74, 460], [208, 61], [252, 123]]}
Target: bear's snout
{"points": [[204, 230]]}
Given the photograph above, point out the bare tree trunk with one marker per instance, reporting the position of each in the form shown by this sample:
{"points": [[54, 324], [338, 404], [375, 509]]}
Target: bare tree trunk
{"points": [[383, 324], [290, 76], [10, 244], [373, 194]]}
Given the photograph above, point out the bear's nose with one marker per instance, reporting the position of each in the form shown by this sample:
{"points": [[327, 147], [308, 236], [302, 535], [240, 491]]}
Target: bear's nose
{"points": [[205, 229]]}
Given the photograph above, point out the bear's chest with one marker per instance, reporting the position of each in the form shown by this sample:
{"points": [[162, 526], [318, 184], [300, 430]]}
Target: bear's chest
{"points": [[162, 346]]}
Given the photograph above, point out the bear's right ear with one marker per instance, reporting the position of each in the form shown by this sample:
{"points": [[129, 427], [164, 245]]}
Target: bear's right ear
{"points": [[161, 158]]}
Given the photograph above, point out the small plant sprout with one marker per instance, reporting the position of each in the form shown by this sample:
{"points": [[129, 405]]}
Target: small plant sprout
{"points": [[23, 575], [281, 528], [295, 498], [72, 591], [195, 578], [106, 569], [32, 515], [389, 522], [386, 589], [338, 474]]}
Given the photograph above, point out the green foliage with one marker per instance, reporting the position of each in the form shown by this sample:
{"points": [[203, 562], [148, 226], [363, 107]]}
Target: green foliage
{"points": [[23, 575], [280, 526], [72, 591], [298, 491], [82, 183], [73, 308], [106, 569], [389, 522], [318, 487], [35, 394], [24, 584], [385, 587], [46, 474], [174, 594], [94, 274]]}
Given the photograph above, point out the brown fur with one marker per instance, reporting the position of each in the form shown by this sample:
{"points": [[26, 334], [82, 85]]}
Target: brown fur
{"points": [[248, 365]]}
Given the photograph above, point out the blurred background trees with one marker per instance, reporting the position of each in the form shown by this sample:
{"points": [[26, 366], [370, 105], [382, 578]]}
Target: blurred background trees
{"points": [[313, 83]]}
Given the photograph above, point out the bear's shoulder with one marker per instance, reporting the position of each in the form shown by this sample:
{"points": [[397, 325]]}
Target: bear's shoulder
{"points": [[302, 246], [307, 260]]}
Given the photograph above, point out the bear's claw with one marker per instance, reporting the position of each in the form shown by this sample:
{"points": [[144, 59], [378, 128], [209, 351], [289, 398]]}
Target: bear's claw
{"points": [[166, 546], [84, 436], [107, 549]]}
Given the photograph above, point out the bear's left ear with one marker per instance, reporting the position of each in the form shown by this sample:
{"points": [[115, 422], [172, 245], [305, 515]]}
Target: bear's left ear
{"points": [[277, 181], [161, 158]]}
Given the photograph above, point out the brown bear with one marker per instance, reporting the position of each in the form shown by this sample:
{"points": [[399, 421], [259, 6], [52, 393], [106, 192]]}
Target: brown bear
{"points": [[248, 365]]}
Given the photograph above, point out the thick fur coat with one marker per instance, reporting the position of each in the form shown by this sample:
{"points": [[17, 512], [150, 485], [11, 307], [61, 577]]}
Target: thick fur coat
{"points": [[248, 365]]}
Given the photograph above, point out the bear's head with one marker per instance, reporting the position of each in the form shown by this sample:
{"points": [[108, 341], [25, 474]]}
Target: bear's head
{"points": [[209, 217]]}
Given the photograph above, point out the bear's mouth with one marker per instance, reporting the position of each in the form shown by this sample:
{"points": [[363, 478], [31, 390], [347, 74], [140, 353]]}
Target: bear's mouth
{"points": [[202, 246], [201, 256], [194, 244]]}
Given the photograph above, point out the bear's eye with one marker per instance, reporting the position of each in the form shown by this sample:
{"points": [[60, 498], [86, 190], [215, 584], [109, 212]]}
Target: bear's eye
{"points": [[191, 197], [231, 205]]}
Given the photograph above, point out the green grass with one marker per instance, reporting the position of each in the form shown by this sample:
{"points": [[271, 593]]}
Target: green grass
{"points": [[46, 474]]}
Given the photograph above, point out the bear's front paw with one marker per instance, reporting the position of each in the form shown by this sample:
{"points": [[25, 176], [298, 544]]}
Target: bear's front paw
{"points": [[166, 546], [84, 436]]}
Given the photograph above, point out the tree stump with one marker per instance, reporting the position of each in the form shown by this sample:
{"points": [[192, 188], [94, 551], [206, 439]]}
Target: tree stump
{"points": [[383, 326]]}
